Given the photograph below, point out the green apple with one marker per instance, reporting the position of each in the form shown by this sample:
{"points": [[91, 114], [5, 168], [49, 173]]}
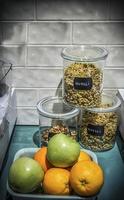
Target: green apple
{"points": [[62, 150], [25, 175]]}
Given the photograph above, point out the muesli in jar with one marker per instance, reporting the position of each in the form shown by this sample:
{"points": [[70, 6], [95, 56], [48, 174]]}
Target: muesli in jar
{"points": [[83, 75], [99, 126], [82, 82]]}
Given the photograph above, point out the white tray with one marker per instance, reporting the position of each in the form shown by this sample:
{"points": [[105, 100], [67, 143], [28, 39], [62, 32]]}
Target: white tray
{"points": [[18, 196]]}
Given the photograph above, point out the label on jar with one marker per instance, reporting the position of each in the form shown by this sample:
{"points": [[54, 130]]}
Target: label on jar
{"points": [[82, 83], [95, 130]]}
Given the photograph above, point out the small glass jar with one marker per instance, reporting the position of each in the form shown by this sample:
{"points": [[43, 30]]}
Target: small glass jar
{"points": [[56, 117], [99, 125], [83, 75]]}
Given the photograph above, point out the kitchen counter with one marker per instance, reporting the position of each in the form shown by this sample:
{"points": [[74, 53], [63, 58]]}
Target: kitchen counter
{"points": [[112, 162]]}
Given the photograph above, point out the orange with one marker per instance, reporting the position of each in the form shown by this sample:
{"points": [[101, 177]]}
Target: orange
{"points": [[83, 156], [40, 156], [86, 178], [56, 182]]}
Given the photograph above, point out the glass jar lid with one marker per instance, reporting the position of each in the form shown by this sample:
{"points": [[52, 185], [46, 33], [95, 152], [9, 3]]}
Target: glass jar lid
{"points": [[109, 103], [54, 107], [84, 53]]}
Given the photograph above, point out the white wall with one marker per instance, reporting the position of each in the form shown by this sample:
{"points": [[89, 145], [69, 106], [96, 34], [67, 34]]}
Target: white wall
{"points": [[33, 32]]}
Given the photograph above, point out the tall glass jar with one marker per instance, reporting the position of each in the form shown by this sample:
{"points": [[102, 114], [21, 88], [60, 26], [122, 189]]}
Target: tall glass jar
{"points": [[83, 75], [99, 125], [56, 117]]}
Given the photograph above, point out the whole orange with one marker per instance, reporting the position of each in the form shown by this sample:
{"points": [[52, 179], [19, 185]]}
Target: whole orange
{"points": [[56, 182], [86, 178], [83, 156], [40, 156]]}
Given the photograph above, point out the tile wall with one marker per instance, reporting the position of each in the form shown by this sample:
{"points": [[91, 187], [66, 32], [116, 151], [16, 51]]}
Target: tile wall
{"points": [[33, 33]]}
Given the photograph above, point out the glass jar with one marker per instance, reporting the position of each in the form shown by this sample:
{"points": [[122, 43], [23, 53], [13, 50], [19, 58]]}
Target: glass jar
{"points": [[99, 125], [83, 75], [56, 117]]}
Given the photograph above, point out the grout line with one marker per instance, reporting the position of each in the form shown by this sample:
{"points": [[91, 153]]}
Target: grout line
{"points": [[36, 88], [39, 67], [71, 33], [48, 88], [12, 45], [2, 39], [109, 89], [37, 21], [38, 94], [26, 56], [26, 44], [57, 45], [61, 45], [26, 53], [54, 89], [114, 68], [109, 10], [35, 14], [26, 107], [26, 33], [63, 21], [61, 67], [112, 88]]}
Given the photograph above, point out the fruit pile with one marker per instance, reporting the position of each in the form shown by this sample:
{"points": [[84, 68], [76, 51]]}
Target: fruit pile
{"points": [[59, 169]]}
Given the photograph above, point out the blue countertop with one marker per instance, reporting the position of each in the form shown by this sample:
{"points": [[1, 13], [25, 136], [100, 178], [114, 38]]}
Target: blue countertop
{"points": [[111, 161]]}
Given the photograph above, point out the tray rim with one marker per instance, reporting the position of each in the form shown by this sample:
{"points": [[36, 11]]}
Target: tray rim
{"points": [[29, 150], [46, 196]]}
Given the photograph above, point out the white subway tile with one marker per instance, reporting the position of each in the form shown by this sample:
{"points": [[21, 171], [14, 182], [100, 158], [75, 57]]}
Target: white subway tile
{"points": [[36, 77], [72, 10], [27, 97], [50, 78], [44, 56], [17, 10], [49, 33], [0, 32], [112, 91], [114, 78], [14, 33], [49, 92], [51, 56], [13, 54], [115, 56], [98, 33], [116, 10], [27, 116]]}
